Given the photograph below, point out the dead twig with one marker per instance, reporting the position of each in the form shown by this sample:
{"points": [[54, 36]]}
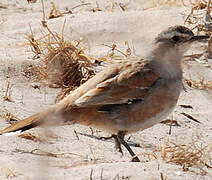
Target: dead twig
{"points": [[113, 48], [170, 122], [44, 153], [43, 21], [7, 93], [186, 106], [190, 117], [54, 13]]}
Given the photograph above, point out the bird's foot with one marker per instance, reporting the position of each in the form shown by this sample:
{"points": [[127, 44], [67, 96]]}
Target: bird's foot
{"points": [[120, 138]]}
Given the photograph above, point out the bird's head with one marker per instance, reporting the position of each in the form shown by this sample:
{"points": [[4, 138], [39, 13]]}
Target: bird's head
{"points": [[179, 38], [170, 46]]}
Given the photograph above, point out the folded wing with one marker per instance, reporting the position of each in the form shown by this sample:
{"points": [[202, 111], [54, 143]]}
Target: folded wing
{"points": [[133, 81]]}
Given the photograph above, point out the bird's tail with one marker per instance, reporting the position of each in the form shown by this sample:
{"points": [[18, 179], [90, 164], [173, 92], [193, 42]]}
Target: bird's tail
{"points": [[30, 122]]}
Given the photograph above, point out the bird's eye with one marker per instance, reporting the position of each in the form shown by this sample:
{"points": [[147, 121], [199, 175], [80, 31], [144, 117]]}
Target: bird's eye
{"points": [[175, 38]]}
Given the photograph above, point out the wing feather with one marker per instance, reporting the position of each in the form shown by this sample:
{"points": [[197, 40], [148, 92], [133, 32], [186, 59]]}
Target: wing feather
{"points": [[132, 82]]}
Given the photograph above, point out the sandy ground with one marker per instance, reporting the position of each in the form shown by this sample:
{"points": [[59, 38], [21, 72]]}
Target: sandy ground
{"points": [[84, 156]]}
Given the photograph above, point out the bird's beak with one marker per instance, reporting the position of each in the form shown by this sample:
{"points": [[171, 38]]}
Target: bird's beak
{"points": [[198, 38]]}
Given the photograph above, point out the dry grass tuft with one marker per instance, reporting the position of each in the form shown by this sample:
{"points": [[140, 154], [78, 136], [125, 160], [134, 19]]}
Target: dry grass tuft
{"points": [[186, 155], [63, 65]]}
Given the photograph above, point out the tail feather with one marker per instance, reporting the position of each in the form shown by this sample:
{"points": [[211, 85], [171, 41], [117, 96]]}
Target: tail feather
{"points": [[29, 122]]}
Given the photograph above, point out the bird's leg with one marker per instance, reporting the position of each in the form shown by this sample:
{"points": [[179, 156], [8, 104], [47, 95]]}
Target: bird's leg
{"points": [[117, 143], [121, 140]]}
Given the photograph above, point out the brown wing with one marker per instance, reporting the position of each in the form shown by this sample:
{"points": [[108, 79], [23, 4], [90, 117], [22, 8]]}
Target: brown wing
{"points": [[132, 82]]}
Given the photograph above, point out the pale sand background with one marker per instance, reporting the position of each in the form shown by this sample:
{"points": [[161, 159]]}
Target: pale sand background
{"points": [[137, 25]]}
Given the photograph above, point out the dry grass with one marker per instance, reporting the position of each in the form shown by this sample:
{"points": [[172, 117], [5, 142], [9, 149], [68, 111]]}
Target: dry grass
{"points": [[196, 18], [9, 173], [54, 13], [30, 136], [188, 155], [39, 152], [84, 160], [201, 84], [9, 117], [199, 18], [6, 94], [63, 65]]}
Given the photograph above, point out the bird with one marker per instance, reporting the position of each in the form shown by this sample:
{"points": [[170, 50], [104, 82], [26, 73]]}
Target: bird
{"points": [[127, 96]]}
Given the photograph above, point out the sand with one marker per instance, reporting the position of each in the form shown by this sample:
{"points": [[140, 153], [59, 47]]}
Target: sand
{"points": [[80, 155]]}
